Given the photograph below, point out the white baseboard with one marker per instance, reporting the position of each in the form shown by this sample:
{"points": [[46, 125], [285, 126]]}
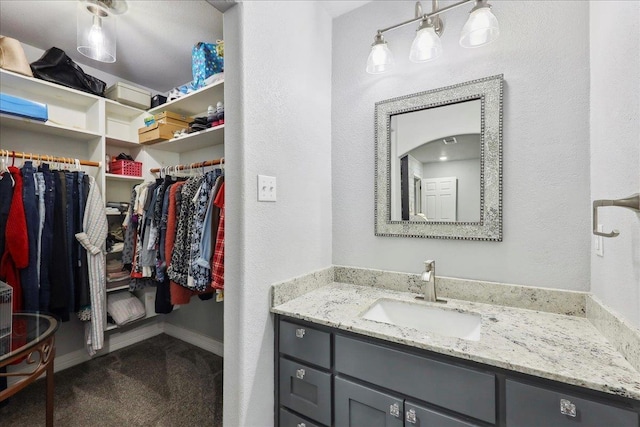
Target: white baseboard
{"points": [[116, 340], [113, 340], [186, 335]]}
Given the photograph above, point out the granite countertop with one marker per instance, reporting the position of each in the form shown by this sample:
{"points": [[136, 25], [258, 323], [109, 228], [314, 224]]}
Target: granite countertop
{"points": [[559, 347]]}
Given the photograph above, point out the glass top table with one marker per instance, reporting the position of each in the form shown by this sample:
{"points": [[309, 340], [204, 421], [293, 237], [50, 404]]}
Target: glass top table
{"points": [[31, 347]]}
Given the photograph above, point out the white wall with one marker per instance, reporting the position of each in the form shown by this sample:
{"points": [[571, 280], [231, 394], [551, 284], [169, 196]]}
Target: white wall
{"points": [[278, 123], [543, 52], [615, 150]]}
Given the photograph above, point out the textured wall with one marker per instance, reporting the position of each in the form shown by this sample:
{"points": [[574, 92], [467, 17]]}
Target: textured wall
{"points": [[615, 150], [543, 52], [279, 124]]}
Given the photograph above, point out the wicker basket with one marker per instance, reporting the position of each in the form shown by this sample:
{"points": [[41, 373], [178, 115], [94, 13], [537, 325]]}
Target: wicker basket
{"points": [[6, 309], [126, 167]]}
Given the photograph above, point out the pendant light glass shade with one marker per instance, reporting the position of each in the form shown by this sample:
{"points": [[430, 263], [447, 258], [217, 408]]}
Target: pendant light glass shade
{"points": [[380, 58], [426, 45], [481, 28], [96, 33]]}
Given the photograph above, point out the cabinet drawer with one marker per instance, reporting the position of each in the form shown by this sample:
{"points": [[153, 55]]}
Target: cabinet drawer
{"points": [[463, 390], [305, 343], [419, 416], [305, 390], [531, 406], [359, 406], [288, 419]]}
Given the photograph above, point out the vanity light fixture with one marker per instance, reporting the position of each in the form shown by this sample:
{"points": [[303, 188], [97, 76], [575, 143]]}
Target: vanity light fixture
{"points": [[96, 28], [481, 28], [443, 158]]}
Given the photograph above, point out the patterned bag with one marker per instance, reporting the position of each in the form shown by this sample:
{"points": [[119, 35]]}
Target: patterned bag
{"points": [[207, 60]]}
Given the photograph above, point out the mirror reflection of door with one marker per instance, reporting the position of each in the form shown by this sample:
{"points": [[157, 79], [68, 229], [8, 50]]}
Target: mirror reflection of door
{"points": [[439, 143], [440, 199]]}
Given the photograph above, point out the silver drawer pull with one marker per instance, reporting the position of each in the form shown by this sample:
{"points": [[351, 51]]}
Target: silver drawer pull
{"points": [[394, 410], [567, 408], [300, 373], [300, 333], [411, 416], [302, 425]]}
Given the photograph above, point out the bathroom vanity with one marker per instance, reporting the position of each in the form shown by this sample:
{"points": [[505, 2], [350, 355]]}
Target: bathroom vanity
{"points": [[337, 367]]}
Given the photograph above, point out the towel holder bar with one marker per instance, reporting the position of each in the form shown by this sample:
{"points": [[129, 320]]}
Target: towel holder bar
{"points": [[631, 202]]}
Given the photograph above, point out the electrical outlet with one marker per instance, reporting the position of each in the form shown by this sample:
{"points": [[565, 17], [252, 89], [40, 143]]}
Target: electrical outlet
{"points": [[266, 188], [599, 244]]}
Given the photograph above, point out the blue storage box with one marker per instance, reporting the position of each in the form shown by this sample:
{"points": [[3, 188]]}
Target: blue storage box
{"points": [[23, 107]]}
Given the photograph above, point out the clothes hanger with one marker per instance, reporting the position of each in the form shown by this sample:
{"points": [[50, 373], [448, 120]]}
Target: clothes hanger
{"points": [[5, 166]]}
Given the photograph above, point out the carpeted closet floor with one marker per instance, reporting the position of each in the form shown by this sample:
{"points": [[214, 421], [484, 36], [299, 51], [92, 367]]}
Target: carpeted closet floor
{"points": [[161, 381]]}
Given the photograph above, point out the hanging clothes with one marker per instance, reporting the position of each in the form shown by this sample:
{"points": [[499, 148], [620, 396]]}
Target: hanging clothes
{"points": [[93, 239], [16, 251], [218, 255]]}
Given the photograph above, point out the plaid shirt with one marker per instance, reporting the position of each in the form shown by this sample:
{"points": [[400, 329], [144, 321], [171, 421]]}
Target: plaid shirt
{"points": [[217, 264]]}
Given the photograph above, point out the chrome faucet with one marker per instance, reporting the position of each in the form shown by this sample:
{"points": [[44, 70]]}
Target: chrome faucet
{"points": [[429, 279]]}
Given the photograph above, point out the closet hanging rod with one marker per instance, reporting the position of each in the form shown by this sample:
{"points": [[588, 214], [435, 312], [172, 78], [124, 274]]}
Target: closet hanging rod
{"points": [[47, 158], [219, 161]]}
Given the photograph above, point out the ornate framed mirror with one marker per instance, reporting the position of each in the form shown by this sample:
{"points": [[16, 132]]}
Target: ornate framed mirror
{"points": [[439, 163]]}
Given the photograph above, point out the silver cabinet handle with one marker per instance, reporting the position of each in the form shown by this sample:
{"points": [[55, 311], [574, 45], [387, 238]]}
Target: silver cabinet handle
{"points": [[300, 373], [300, 333], [567, 408], [411, 416], [394, 410], [302, 425]]}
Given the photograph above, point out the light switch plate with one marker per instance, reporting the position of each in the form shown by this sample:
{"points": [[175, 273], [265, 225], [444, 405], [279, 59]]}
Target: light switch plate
{"points": [[266, 188], [599, 244]]}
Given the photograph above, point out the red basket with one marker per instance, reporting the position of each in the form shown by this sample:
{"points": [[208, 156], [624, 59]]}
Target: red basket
{"points": [[126, 167]]}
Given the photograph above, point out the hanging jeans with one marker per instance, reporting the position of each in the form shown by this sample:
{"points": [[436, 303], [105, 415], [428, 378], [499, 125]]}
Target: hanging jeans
{"points": [[70, 214], [29, 275], [46, 244], [83, 295], [6, 195], [59, 272]]}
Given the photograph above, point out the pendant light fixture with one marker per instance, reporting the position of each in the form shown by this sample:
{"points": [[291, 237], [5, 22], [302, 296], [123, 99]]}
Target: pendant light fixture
{"points": [[96, 28], [380, 58], [481, 28], [427, 45]]}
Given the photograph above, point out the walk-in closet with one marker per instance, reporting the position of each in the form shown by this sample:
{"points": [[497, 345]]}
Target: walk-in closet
{"points": [[120, 233]]}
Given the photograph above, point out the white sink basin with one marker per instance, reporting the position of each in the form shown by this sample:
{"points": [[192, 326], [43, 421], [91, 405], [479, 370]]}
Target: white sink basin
{"points": [[425, 318]]}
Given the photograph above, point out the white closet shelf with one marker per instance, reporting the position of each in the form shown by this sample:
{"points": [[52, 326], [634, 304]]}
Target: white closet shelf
{"points": [[193, 141], [111, 326], [119, 288], [119, 142], [22, 86], [195, 102], [115, 177], [48, 128], [114, 108]]}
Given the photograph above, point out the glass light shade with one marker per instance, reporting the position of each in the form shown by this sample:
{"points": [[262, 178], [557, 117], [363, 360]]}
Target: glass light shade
{"points": [[96, 35], [426, 46], [481, 28], [380, 59]]}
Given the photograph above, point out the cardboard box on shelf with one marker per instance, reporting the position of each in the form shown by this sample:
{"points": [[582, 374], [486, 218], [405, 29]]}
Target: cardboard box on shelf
{"points": [[170, 117], [158, 132]]}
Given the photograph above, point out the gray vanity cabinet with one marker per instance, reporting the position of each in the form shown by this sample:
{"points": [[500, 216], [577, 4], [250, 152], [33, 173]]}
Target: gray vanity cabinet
{"points": [[531, 406], [327, 377], [358, 405]]}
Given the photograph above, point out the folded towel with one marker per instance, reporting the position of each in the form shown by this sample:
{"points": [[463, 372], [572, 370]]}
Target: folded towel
{"points": [[124, 307]]}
